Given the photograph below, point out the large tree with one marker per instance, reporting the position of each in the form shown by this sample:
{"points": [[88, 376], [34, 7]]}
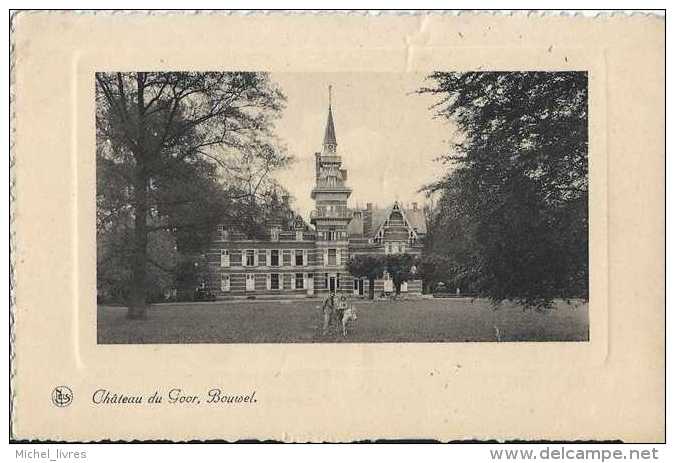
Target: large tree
{"points": [[368, 266], [513, 211], [433, 269], [168, 146]]}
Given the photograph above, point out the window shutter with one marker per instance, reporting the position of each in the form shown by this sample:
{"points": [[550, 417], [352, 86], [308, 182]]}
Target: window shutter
{"points": [[304, 257], [292, 257], [255, 258], [224, 258], [293, 281], [281, 281], [269, 281], [325, 257], [243, 257], [338, 253], [269, 257]]}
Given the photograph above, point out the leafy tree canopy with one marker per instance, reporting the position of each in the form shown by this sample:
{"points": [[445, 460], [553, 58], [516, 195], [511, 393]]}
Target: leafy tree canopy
{"points": [[512, 214], [178, 152]]}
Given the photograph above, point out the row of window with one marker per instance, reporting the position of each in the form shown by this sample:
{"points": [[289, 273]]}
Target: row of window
{"points": [[264, 257], [332, 235], [395, 248], [333, 210], [275, 281], [328, 235], [274, 257], [272, 281], [380, 239], [224, 234]]}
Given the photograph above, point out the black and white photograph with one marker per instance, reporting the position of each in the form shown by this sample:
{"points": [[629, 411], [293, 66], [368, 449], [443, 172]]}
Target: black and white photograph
{"points": [[264, 207]]}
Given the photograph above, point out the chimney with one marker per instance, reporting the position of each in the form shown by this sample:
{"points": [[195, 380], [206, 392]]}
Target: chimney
{"points": [[414, 206]]}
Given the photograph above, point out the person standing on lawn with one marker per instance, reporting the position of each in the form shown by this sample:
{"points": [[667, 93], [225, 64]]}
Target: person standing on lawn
{"points": [[328, 309], [342, 305]]}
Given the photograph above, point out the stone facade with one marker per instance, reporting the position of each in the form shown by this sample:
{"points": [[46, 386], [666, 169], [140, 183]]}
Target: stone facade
{"points": [[299, 260]]}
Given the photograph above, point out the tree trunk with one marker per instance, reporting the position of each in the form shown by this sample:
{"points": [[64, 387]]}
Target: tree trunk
{"points": [[371, 288], [138, 299]]}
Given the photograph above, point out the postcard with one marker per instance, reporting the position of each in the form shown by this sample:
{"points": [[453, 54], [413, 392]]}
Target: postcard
{"points": [[337, 227]]}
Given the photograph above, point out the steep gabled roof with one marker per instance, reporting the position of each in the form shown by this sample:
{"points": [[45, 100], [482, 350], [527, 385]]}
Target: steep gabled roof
{"points": [[413, 217], [416, 219]]}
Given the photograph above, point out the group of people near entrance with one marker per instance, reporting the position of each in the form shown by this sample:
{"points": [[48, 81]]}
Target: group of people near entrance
{"points": [[337, 311]]}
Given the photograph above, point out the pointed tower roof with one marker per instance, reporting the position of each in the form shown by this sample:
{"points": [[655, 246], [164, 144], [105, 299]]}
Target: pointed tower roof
{"points": [[329, 134]]}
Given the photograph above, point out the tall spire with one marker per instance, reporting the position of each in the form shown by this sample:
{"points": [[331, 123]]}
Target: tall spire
{"points": [[329, 140]]}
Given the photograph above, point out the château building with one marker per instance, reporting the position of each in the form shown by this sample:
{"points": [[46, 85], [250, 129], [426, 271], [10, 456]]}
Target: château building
{"points": [[299, 259]]}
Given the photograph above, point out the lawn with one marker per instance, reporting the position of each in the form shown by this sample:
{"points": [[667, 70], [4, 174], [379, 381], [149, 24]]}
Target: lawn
{"points": [[423, 320]]}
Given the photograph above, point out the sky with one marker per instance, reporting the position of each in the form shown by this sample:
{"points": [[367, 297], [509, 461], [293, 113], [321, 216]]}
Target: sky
{"points": [[387, 136]]}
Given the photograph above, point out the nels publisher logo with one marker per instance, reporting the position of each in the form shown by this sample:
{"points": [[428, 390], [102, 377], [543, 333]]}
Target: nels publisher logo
{"points": [[62, 396]]}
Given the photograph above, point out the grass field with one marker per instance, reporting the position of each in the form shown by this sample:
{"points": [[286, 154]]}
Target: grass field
{"points": [[423, 320]]}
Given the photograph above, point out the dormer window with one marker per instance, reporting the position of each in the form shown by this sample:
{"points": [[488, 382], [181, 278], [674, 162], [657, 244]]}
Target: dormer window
{"points": [[298, 235], [275, 234], [222, 233]]}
